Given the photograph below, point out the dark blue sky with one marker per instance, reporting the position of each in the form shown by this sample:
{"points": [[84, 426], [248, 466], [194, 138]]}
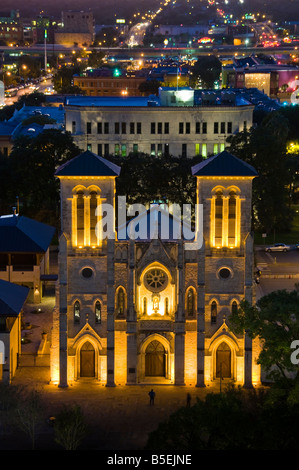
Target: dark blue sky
{"points": [[102, 8]]}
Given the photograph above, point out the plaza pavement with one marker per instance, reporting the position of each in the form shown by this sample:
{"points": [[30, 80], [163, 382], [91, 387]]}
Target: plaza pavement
{"points": [[118, 418]]}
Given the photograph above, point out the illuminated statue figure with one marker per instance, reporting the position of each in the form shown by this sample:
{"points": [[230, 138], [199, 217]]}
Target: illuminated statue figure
{"points": [[156, 304]]}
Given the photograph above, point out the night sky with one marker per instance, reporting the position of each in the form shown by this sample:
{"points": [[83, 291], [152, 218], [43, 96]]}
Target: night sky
{"points": [[54, 7]]}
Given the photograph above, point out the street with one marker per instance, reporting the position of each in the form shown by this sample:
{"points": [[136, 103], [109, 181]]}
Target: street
{"points": [[278, 270], [39, 87]]}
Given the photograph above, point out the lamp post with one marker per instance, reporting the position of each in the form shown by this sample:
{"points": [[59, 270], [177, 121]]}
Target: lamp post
{"points": [[24, 68], [45, 65], [8, 73]]}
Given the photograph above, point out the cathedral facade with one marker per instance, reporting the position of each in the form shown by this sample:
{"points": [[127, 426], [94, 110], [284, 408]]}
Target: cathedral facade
{"points": [[149, 310]]}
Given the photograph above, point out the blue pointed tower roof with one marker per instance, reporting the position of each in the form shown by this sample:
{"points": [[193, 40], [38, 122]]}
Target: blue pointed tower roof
{"points": [[88, 164], [224, 164]]}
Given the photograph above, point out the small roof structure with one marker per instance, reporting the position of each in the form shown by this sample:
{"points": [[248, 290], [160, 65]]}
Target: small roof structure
{"points": [[224, 164], [88, 164], [12, 298], [19, 234]]}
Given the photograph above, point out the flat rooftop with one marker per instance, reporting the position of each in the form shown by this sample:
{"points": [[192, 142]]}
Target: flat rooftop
{"points": [[261, 68], [184, 97], [97, 101]]}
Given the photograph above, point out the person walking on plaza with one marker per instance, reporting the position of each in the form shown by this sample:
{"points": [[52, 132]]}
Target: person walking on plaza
{"points": [[188, 400], [152, 396]]}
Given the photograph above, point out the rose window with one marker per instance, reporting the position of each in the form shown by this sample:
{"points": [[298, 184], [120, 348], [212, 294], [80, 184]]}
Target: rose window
{"points": [[156, 280]]}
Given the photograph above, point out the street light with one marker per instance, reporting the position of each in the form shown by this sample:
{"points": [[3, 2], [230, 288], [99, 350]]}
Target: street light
{"points": [[24, 68], [8, 73]]}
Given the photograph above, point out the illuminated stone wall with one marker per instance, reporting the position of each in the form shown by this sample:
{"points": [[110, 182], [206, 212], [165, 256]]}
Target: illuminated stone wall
{"points": [[190, 353], [120, 353], [54, 349]]}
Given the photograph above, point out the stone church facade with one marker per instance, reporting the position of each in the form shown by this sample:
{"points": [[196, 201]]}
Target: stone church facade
{"points": [[149, 310]]}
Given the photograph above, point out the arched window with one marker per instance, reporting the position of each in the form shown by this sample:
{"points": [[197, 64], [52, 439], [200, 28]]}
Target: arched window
{"points": [[98, 312], [190, 303], [225, 217], [218, 217], [80, 217], [232, 204], [93, 218], [145, 306], [120, 304], [77, 312], [213, 311], [234, 307]]}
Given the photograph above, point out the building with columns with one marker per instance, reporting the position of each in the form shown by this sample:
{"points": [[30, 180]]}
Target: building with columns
{"points": [[153, 309]]}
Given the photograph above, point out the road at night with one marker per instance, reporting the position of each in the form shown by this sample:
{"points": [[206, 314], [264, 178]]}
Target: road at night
{"points": [[279, 271], [41, 87]]}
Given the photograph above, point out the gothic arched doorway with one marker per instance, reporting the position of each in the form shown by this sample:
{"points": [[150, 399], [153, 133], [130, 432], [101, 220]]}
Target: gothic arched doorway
{"points": [[223, 361], [87, 360], [155, 359]]}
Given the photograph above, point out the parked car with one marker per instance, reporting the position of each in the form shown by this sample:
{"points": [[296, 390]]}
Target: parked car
{"points": [[278, 247]]}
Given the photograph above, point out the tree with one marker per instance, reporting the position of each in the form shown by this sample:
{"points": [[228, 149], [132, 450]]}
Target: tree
{"points": [[291, 113], [63, 78], [264, 147], [275, 321], [10, 396], [5, 207], [149, 87], [145, 179], [40, 119], [69, 427], [95, 59], [32, 165], [71, 90], [208, 69], [32, 99], [29, 414], [232, 420], [9, 78], [29, 67]]}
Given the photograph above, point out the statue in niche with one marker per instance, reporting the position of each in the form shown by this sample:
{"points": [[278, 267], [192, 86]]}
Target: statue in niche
{"points": [[156, 301]]}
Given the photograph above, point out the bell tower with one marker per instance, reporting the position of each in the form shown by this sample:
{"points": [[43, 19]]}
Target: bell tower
{"points": [[85, 297], [225, 264]]}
